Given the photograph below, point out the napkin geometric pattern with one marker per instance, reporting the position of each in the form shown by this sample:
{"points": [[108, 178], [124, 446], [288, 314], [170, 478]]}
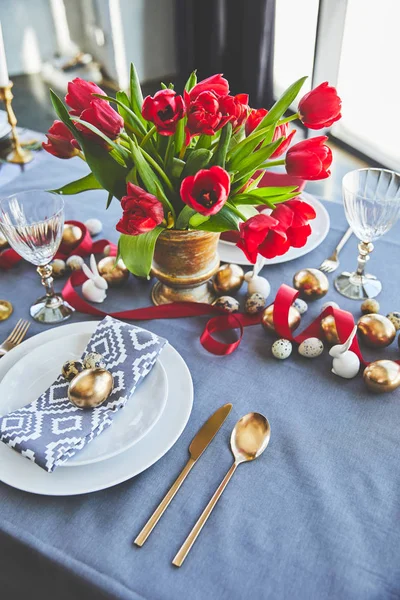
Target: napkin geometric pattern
{"points": [[51, 430]]}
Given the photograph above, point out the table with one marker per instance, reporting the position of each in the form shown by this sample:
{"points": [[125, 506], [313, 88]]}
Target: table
{"points": [[316, 517]]}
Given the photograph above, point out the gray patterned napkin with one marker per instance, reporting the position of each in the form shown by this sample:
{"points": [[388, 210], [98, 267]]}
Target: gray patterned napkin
{"points": [[50, 430]]}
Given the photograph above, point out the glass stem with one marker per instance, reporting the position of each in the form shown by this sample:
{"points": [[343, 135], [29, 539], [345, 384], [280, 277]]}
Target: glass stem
{"points": [[364, 249], [47, 280]]}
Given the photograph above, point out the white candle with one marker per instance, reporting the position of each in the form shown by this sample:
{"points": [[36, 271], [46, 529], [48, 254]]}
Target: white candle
{"points": [[4, 79]]}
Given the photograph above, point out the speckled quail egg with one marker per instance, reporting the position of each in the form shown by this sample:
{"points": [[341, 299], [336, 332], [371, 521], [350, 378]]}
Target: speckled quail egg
{"points": [[370, 306], [228, 304], [94, 226], [326, 304], [311, 347], [394, 317], [94, 360], [75, 262], [301, 305], [71, 368], [282, 349], [254, 304]]}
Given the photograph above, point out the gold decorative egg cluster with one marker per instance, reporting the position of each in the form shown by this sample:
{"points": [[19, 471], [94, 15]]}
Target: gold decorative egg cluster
{"points": [[90, 384]]}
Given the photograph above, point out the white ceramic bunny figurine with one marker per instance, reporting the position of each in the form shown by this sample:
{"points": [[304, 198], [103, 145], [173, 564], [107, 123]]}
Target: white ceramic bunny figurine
{"points": [[345, 362], [94, 289]]}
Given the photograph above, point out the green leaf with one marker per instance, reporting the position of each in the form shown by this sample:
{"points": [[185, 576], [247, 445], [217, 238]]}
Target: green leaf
{"points": [[179, 135], [257, 158], [62, 113], [137, 251], [245, 147], [225, 220], [136, 94], [169, 154], [89, 182], [197, 219], [247, 210], [184, 217], [177, 167], [109, 199], [198, 159], [281, 105], [124, 154], [254, 200], [264, 192], [191, 82], [223, 145], [204, 141]]}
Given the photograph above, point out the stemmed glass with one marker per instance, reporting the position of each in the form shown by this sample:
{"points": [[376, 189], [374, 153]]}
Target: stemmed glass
{"points": [[372, 206], [32, 222]]}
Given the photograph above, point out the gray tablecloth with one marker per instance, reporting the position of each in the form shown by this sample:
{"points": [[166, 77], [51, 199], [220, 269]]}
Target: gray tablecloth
{"points": [[316, 517]]}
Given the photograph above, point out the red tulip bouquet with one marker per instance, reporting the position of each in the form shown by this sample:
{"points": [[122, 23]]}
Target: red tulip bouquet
{"points": [[194, 161]]}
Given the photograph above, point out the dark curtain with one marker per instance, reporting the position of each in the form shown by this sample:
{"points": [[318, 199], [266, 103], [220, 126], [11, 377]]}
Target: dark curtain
{"points": [[233, 37]]}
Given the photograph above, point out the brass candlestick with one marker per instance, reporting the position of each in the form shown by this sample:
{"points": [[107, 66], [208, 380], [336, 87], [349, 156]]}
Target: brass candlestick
{"points": [[18, 156]]}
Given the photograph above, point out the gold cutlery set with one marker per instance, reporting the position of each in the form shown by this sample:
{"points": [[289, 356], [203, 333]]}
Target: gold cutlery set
{"points": [[249, 439]]}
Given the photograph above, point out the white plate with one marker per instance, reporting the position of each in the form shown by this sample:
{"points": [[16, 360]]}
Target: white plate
{"points": [[230, 253], [19, 472], [36, 371]]}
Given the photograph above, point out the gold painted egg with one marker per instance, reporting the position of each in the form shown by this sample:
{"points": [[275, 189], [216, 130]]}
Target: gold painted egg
{"points": [[370, 306], [267, 320], [228, 279], [90, 388], [6, 309], [382, 376], [311, 283], [114, 273], [71, 236], [376, 331], [328, 328]]}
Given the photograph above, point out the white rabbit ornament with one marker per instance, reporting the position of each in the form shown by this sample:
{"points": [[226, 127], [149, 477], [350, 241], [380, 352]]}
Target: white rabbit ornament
{"points": [[345, 362], [94, 289]]}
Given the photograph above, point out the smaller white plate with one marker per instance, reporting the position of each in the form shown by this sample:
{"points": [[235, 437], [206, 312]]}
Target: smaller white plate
{"points": [[230, 253], [36, 371]]}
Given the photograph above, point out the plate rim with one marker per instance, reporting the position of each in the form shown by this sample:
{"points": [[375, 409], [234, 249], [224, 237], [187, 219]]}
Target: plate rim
{"points": [[281, 259], [129, 472], [71, 463]]}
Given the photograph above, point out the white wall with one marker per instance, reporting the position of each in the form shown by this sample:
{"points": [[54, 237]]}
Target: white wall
{"points": [[141, 31]]}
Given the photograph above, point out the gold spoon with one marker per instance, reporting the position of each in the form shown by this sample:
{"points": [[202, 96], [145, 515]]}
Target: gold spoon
{"points": [[249, 439]]}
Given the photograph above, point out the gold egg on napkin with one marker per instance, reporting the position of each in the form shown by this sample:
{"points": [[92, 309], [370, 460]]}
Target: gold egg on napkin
{"points": [[311, 283], [376, 330], [90, 388], [114, 273], [228, 279], [382, 376], [267, 320]]}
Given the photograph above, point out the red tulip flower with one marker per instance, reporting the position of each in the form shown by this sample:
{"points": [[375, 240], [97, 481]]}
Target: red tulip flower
{"points": [[320, 107], [95, 111], [203, 115], [164, 110], [216, 84], [142, 211], [272, 235], [309, 159], [59, 141], [255, 117], [207, 191], [235, 107]]}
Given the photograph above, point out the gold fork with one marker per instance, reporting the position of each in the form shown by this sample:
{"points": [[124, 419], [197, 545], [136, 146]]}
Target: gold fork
{"points": [[15, 337]]}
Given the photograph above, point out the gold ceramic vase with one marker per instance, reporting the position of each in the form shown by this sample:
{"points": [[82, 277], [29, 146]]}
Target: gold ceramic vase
{"points": [[184, 262]]}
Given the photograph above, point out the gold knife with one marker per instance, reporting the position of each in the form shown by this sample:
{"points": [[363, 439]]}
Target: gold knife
{"points": [[199, 443]]}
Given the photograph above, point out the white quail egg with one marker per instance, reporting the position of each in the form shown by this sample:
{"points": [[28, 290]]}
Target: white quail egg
{"points": [[71, 368], [311, 347], [94, 360], [254, 304], [301, 305], [228, 304], [326, 304], [75, 262], [94, 226], [282, 349]]}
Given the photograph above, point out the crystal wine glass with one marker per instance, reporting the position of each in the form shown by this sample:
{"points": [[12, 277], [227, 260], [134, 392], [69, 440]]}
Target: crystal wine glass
{"points": [[32, 222], [372, 206]]}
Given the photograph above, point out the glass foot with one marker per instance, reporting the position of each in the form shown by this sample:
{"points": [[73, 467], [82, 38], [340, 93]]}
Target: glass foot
{"points": [[49, 310], [358, 287]]}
